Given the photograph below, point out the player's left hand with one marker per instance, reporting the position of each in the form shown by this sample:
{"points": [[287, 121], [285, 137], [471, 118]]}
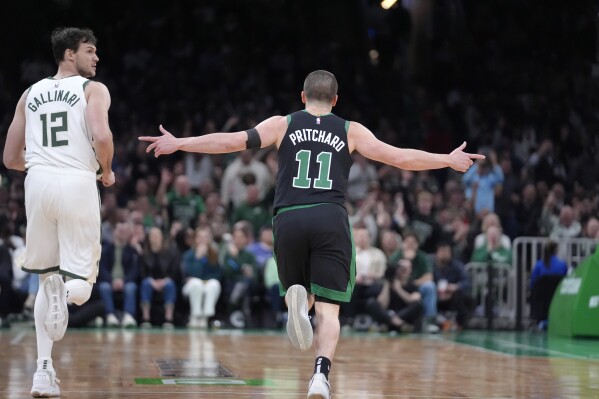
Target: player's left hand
{"points": [[162, 145], [460, 160]]}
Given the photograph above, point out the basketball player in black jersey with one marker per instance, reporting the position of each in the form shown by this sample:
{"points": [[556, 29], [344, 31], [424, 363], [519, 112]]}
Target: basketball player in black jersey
{"points": [[313, 244]]}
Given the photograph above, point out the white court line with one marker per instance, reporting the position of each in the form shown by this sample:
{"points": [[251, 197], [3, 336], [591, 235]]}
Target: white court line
{"points": [[18, 338]]}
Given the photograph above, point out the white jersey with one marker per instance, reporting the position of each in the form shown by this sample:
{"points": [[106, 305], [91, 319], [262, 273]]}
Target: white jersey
{"points": [[56, 132]]}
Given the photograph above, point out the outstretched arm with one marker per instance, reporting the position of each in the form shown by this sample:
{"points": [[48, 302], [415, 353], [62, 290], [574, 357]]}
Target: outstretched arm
{"points": [[14, 148], [269, 130], [362, 140]]}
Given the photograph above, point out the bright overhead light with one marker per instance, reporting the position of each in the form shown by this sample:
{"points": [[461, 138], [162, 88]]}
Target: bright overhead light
{"points": [[387, 4]]}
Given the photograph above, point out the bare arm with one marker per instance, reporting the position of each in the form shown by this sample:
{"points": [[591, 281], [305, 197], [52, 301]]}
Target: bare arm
{"points": [[270, 131], [14, 155], [405, 295], [383, 298], [362, 140], [98, 103]]}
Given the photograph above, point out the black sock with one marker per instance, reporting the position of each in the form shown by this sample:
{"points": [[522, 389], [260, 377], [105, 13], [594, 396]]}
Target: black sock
{"points": [[322, 365]]}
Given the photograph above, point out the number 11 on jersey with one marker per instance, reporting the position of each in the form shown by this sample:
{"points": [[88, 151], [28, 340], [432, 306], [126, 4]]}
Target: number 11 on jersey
{"points": [[302, 180]]}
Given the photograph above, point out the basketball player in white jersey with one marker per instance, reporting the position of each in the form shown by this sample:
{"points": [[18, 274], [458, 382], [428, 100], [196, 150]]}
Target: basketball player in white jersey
{"points": [[61, 137]]}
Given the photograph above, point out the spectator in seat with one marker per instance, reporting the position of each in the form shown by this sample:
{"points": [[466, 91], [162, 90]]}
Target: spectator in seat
{"points": [[494, 249], [399, 305], [239, 269], [160, 271], [202, 275], [371, 264], [453, 285], [421, 277], [119, 272], [545, 277]]}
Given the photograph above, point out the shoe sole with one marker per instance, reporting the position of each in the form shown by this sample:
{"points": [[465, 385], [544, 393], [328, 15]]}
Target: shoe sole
{"points": [[299, 328], [317, 396], [57, 315], [40, 394]]}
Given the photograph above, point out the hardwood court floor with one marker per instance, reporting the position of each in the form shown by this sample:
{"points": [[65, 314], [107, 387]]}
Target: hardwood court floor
{"points": [[124, 364]]}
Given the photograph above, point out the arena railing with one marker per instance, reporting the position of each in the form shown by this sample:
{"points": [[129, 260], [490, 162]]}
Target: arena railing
{"points": [[525, 253]]}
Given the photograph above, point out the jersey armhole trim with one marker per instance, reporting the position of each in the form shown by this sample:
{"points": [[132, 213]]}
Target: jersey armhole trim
{"points": [[85, 84], [288, 120], [346, 127]]}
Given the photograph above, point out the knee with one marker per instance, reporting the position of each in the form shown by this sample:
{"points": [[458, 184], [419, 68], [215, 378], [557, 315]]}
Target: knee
{"points": [[130, 288], [427, 288], [213, 285], [78, 291], [105, 286]]}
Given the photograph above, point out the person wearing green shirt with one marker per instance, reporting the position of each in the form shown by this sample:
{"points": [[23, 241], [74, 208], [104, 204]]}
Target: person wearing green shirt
{"points": [[421, 277], [252, 210], [493, 250], [181, 203]]}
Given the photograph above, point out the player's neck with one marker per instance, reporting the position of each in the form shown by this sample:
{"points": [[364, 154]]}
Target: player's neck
{"points": [[318, 109], [66, 71]]}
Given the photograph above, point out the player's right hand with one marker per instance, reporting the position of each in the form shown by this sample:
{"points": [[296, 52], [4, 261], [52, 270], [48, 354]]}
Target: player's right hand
{"points": [[108, 178]]}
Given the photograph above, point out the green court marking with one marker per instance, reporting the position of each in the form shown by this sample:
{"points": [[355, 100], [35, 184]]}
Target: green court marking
{"points": [[529, 344], [204, 381]]}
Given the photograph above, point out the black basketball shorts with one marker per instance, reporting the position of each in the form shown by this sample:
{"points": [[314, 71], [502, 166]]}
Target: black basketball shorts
{"points": [[313, 246]]}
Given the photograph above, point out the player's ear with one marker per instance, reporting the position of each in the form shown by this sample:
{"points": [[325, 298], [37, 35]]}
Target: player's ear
{"points": [[334, 102], [304, 99]]}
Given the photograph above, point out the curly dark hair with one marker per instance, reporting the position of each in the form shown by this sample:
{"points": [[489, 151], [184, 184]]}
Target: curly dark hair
{"points": [[70, 38]]}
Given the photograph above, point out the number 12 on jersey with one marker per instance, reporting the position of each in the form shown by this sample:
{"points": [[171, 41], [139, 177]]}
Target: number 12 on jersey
{"points": [[323, 181], [62, 127]]}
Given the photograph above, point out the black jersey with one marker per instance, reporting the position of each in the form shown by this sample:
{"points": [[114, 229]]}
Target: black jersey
{"points": [[314, 161]]}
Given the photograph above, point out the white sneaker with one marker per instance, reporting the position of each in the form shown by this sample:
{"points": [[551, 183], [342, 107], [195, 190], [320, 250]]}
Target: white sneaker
{"points": [[128, 321], [432, 328], [203, 322], [299, 328], [193, 322], [319, 387], [45, 384], [112, 321], [57, 314]]}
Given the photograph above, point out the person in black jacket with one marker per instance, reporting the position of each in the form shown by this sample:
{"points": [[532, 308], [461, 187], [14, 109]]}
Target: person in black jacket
{"points": [[119, 272], [160, 273], [453, 285]]}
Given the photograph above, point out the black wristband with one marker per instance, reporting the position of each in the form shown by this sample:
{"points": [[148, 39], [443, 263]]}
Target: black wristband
{"points": [[253, 140]]}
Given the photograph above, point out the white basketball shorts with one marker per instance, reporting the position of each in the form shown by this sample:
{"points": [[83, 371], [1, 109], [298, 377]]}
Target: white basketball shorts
{"points": [[63, 222]]}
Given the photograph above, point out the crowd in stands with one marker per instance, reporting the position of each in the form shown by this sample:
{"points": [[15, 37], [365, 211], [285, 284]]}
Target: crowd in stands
{"points": [[187, 239]]}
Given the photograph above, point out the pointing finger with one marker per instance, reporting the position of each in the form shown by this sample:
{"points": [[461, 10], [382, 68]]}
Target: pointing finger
{"points": [[148, 138], [475, 156]]}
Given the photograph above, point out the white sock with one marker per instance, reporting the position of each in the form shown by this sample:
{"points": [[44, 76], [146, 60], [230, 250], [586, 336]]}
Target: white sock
{"points": [[44, 343], [44, 363]]}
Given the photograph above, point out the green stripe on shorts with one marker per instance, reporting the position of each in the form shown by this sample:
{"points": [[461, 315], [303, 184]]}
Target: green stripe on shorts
{"points": [[341, 296], [72, 275], [41, 271], [294, 207]]}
